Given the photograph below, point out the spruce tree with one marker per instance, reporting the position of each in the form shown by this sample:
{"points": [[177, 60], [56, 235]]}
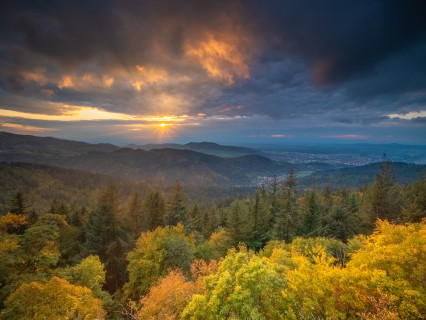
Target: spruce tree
{"points": [[177, 206], [105, 237], [154, 209]]}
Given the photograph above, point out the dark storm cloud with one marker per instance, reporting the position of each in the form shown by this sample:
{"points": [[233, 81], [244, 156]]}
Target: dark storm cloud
{"points": [[341, 40], [419, 120], [317, 62]]}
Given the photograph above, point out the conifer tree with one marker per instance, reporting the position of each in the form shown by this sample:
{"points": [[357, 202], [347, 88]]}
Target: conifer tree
{"points": [[134, 217], [415, 210], [194, 220], [261, 217], [383, 197], [311, 214], [105, 237], [177, 211], [238, 223], [17, 203], [154, 209], [286, 220]]}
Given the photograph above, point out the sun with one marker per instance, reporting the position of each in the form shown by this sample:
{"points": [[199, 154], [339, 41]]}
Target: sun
{"points": [[162, 125]]}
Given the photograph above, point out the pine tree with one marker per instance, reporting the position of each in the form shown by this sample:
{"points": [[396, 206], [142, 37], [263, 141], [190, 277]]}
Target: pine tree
{"points": [[17, 203], [194, 220], [177, 206], [134, 217], [286, 222], [383, 197], [154, 209], [311, 214], [105, 237], [238, 222], [261, 217]]}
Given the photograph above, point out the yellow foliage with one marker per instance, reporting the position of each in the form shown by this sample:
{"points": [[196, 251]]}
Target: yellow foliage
{"points": [[11, 220], [56, 299]]}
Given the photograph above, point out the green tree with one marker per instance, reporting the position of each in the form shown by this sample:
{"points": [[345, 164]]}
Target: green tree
{"points": [[59, 207], [311, 213], [105, 237], [244, 287], [154, 209], [261, 218], [195, 219], [239, 223], [17, 203], [286, 219], [90, 273], [134, 218], [177, 211], [415, 209], [156, 252], [383, 197]]}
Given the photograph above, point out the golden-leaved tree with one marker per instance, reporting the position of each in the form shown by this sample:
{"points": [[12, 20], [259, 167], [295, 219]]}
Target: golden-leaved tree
{"points": [[56, 299]]}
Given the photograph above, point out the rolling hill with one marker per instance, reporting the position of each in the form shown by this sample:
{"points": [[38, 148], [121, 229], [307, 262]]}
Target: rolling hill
{"points": [[362, 175], [156, 165], [210, 148]]}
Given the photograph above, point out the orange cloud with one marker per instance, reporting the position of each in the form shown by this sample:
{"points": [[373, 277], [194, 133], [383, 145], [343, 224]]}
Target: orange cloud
{"points": [[65, 82], [87, 80], [83, 113], [277, 136], [223, 56], [149, 75], [17, 128], [37, 76]]}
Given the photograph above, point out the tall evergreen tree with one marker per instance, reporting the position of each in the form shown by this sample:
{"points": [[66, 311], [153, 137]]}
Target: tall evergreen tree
{"points": [[154, 209], [286, 222], [17, 203], [209, 223], [177, 211], [383, 197], [415, 210], [195, 219], [261, 217], [134, 217], [105, 237], [238, 223], [311, 214]]}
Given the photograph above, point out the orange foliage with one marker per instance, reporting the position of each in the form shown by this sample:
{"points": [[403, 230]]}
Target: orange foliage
{"points": [[168, 297]]}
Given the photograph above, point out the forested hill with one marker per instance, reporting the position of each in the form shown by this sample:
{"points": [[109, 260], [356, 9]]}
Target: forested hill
{"points": [[203, 147], [169, 165], [165, 166], [41, 184], [27, 144], [157, 165], [355, 177]]}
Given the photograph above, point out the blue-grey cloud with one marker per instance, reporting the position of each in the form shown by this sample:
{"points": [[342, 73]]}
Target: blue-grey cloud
{"points": [[307, 62]]}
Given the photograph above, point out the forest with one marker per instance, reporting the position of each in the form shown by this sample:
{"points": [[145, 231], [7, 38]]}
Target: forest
{"points": [[281, 253]]}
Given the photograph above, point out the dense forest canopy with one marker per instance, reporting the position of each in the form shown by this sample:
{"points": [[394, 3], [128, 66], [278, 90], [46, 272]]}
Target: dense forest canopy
{"points": [[148, 253]]}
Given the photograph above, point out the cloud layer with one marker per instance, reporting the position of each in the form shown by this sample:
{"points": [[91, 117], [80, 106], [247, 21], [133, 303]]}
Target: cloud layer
{"points": [[248, 68]]}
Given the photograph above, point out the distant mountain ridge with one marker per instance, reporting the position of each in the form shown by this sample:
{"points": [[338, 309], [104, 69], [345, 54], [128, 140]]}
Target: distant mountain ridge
{"points": [[16, 142], [191, 168], [355, 177], [210, 148], [160, 165]]}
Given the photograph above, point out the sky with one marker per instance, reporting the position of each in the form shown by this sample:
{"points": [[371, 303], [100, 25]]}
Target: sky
{"points": [[227, 71]]}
